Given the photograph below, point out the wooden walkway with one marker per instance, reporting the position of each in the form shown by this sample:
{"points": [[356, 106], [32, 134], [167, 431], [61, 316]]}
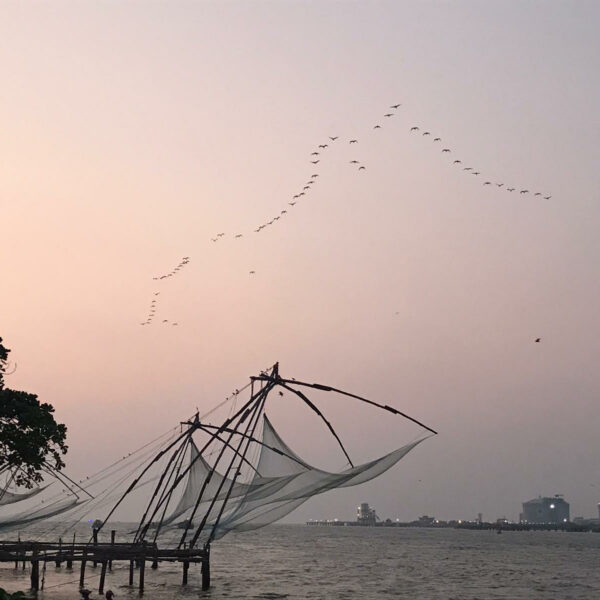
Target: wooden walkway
{"points": [[104, 554]]}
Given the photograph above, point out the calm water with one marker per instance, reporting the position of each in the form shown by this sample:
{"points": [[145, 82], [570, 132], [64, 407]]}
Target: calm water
{"points": [[366, 563]]}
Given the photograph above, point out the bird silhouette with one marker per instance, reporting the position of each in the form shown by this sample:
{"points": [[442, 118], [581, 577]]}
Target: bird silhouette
{"points": [[446, 150], [437, 139], [361, 168], [499, 185], [457, 162], [334, 138], [314, 162], [353, 142], [315, 175], [510, 189], [377, 127], [323, 146], [487, 183], [292, 203], [314, 154], [476, 173], [547, 197], [252, 272], [395, 105], [426, 133], [524, 192], [537, 194], [414, 129], [239, 235], [353, 162], [468, 169], [389, 115], [538, 340]]}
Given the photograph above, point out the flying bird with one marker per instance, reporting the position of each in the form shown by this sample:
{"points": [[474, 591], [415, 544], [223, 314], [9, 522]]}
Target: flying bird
{"points": [[353, 162], [414, 129], [510, 189], [353, 142], [437, 139], [389, 115], [446, 150], [468, 169], [487, 183], [314, 162], [457, 162], [315, 175], [334, 138], [426, 133], [499, 184], [315, 154], [537, 194], [377, 127], [323, 146], [239, 235], [538, 340], [361, 168], [252, 272], [292, 203], [524, 192], [547, 197], [395, 105], [475, 173]]}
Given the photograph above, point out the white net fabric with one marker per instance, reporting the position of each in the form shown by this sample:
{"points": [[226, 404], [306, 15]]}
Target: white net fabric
{"points": [[281, 483]]}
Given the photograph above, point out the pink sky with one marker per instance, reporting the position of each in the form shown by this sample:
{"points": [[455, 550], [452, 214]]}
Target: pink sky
{"points": [[133, 133]]}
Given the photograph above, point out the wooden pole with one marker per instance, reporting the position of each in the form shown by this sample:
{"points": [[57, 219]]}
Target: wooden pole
{"points": [[142, 573], [70, 556], [35, 571], [113, 533], [102, 577], [206, 572], [57, 562], [131, 569], [18, 553], [82, 572], [186, 566], [95, 544]]}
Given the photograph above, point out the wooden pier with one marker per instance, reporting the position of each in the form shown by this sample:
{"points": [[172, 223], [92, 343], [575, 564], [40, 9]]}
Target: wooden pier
{"points": [[104, 554]]}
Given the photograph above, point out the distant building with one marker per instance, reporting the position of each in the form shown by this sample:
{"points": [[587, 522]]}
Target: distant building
{"points": [[365, 515], [545, 510]]}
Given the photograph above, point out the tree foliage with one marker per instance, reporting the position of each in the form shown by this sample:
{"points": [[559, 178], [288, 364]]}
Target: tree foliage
{"points": [[30, 439]]}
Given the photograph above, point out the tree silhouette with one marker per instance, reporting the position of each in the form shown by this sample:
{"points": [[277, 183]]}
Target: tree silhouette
{"points": [[31, 441]]}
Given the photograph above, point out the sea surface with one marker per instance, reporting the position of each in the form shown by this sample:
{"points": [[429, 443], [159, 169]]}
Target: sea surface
{"points": [[296, 561]]}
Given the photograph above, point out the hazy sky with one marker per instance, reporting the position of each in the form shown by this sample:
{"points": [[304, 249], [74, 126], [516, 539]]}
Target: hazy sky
{"points": [[133, 132]]}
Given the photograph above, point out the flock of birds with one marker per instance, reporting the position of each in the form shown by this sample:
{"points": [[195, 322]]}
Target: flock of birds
{"points": [[302, 193], [154, 303]]}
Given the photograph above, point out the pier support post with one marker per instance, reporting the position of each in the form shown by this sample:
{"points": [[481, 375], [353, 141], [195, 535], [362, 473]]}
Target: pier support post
{"points": [[142, 573], [35, 571], [186, 566], [112, 543], [102, 577], [206, 572], [58, 560], [95, 544], [18, 553], [82, 572], [131, 569], [70, 556]]}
